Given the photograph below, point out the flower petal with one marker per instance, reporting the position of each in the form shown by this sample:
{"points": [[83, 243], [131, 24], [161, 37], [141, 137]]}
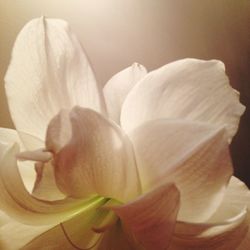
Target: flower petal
{"points": [[30, 142], [188, 89], [116, 238], [48, 72], [226, 230], [38, 177], [59, 131], [237, 195], [192, 155], [15, 235], [74, 233], [19, 204], [10, 136], [4, 219], [151, 217], [117, 88], [98, 159], [45, 187]]}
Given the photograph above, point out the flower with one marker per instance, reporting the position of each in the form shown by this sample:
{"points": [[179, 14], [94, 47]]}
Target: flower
{"points": [[142, 164]]}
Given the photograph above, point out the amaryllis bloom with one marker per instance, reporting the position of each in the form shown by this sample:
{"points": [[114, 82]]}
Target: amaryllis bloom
{"points": [[141, 164]]}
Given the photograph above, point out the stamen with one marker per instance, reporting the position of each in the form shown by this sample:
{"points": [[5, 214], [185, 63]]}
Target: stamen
{"points": [[40, 155]]}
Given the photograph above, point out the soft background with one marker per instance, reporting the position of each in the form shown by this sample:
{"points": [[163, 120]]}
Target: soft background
{"points": [[115, 33]]}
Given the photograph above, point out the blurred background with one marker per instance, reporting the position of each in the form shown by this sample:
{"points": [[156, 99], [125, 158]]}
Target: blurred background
{"points": [[116, 33]]}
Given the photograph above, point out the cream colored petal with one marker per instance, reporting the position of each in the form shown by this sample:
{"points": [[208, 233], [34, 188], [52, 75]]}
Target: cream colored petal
{"points": [[227, 229], [48, 71], [45, 187], [4, 219], [151, 217], [193, 155], [237, 195], [38, 177], [19, 204], [189, 89], [76, 232], [118, 87], [10, 136], [14, 235], [98, 158]]}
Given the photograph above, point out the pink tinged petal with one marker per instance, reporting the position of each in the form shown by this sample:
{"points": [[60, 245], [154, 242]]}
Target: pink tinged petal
{"points": [[19, 204], [187, 89], [118, 87], [98, 159], [151, 217], [193, 155], [48, 71], [117, 238], [227, 229]]}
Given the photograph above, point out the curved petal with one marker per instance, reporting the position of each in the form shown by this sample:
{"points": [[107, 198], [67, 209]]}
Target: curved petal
{"points": [[192, 155], [151, 217], [117, 88], [76, 233], [72, 234], [187, 89], [98, 159], [19, 204], [237, 195], [43, 177], [48, 72], [15, 235], [4, 219], [10, 136], [228, 229]]}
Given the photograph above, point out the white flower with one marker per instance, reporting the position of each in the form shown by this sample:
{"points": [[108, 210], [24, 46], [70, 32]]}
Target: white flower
{"points": [[143, 164]]}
